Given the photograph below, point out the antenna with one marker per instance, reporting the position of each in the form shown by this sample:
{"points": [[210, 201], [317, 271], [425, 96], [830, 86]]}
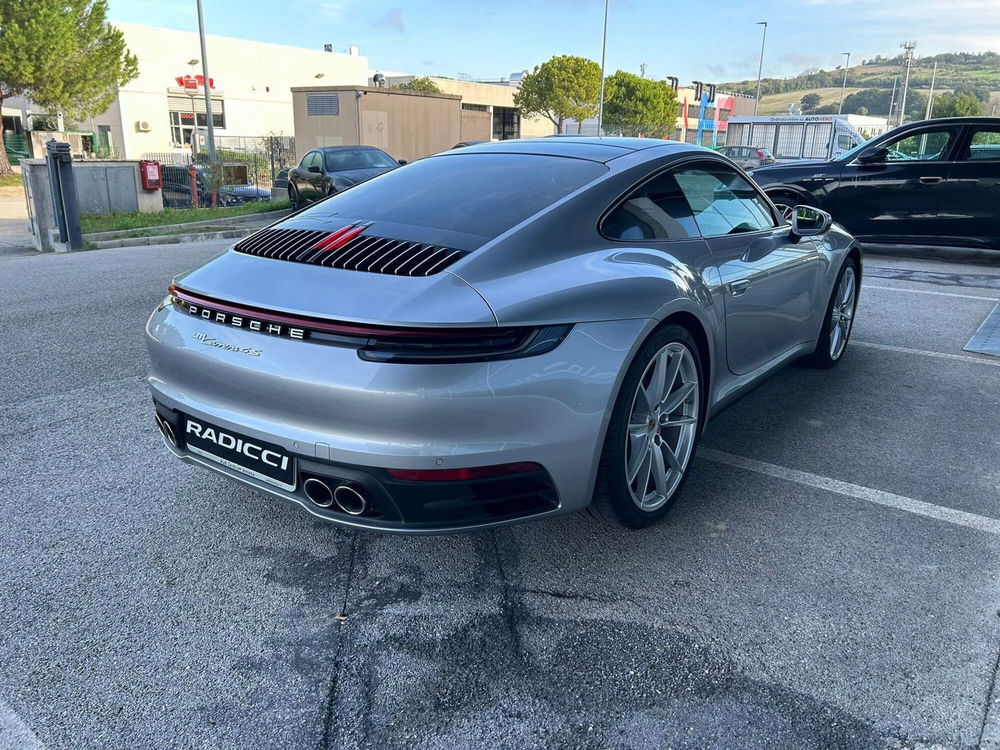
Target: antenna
{"points": [[642, 70]]}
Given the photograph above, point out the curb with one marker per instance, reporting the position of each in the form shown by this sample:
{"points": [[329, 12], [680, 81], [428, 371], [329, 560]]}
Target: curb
{"points": [[170, 239]]}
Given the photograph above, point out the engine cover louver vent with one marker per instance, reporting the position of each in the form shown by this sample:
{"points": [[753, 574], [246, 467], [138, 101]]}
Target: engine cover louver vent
{"points": [[350, 249]]}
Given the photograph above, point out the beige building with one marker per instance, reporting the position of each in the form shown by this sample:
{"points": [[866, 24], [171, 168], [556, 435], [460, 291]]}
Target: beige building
{"points": [[488, 111], [404, 124]]}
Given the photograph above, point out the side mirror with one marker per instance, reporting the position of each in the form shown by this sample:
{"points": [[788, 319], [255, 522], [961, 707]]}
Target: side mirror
{"points": [[810, 222], [878, 156], [402, 162], [315, 170]]}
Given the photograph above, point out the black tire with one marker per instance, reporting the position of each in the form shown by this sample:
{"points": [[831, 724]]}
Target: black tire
{"points": [[822, 358], [612, 501], [293, 198]]}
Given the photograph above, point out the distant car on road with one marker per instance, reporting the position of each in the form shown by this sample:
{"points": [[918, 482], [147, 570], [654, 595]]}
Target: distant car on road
{"points": [[932, 182], [325, 171], [747, 157]]}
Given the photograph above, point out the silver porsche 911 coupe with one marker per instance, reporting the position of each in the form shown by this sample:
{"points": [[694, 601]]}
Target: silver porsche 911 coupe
{"points": [[498, 333]]}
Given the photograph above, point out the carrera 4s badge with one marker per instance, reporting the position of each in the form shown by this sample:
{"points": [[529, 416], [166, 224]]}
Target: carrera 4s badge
{"points": [[209, 341]]}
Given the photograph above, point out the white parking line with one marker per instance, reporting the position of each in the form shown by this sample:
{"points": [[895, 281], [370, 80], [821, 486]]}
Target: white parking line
{"points": [[939, 355], [927, 291], [14, 733], [888, 499]]}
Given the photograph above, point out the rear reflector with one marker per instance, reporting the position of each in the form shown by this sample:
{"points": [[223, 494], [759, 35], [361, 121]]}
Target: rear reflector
{"points": [[466, 474]]}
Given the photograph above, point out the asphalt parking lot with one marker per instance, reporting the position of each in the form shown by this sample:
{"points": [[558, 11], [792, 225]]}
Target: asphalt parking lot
{"points": [[828, 580]]}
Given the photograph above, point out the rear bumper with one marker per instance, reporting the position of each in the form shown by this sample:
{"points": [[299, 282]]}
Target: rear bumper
{"points": [[348, 419]]}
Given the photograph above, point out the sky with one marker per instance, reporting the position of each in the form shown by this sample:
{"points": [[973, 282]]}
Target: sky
{"points": [[708, 41]]}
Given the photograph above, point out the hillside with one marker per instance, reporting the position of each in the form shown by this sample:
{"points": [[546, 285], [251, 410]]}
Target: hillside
{"points": [[777, 104], [955, 69]]}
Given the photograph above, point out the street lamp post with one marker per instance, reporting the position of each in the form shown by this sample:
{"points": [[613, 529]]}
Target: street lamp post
{"points": [[604, 49], [760, 66], [843, 88], [208, 89]]}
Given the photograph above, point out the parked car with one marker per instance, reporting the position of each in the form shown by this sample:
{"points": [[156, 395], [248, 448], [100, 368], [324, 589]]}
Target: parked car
{"points": [[176, 189], [932, 182], [463, 144], [499, 333], [747, 157], [325, 171]]}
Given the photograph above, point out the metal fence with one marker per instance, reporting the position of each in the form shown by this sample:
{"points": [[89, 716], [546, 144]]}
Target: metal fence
{"points": [[251, 168]]}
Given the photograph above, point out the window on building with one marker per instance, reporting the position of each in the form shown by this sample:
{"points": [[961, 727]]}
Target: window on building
{"points": [[188, 114], [506, 123], [322, 104], [476, 107]]}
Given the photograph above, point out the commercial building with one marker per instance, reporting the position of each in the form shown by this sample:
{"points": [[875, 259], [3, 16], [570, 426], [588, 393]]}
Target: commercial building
{"points": [[250, 88], [488, 111], [404, 124]]}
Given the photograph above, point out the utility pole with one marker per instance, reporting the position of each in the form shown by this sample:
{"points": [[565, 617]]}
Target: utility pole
{"points": [[604, 49], [908, 62], [760, 66], [843, 88], [930, 97], [892, 101], [208, 88]]}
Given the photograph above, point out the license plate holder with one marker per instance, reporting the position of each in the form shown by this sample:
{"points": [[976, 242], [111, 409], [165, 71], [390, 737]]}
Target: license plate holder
{"points": [[264, 461]]}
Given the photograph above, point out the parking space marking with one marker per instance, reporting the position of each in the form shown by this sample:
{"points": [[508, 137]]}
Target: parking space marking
{"points": [[879, 497], [14, 733], [925, 353], [928, 291]]}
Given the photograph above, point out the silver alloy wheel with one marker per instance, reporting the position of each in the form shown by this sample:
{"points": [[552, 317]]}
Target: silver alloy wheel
{"points": [[786, 211], [842, 315], [662, 426]]}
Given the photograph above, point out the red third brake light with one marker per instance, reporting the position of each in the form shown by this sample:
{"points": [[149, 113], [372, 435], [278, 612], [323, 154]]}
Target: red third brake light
{"points": [[461, 475], [339, 238]]}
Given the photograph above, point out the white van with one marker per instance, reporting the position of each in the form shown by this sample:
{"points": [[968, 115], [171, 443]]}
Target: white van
{"points": [[795, 137]]}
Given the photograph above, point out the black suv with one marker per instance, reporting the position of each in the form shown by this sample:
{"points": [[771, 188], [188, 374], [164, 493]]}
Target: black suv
{"points": [[932, 182]]}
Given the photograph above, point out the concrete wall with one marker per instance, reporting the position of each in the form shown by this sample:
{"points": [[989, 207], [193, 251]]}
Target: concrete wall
{"points": [[406, 125], [112, 187], [476, 125]]}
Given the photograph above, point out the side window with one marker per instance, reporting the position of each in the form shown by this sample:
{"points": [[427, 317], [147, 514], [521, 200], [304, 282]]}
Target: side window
{"points": [[722, 201], [845, 142], [655, 211], [308, 160], [985, 144], [927, 145]]}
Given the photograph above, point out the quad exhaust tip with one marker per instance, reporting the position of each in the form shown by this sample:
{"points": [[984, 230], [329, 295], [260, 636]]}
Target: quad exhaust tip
{"points": [[346, 498], [318, 492], [166, 429], [350, 500]]}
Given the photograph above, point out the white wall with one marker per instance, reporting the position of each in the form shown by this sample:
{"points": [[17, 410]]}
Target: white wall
{"points": [[254, 79]]}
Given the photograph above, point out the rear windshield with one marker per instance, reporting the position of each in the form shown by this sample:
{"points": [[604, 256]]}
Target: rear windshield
{"points": [[483, 194]]}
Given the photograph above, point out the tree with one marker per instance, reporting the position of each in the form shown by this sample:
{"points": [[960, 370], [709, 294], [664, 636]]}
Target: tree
{"points": [[957, 105], [862, 111], [424, 85], [810, 101], [562, 88], [63, 56], [638, 106]]}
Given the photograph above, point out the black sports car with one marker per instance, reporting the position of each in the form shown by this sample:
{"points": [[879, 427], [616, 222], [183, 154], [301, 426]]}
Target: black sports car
{"points": [[932, 182], [325, 171]]}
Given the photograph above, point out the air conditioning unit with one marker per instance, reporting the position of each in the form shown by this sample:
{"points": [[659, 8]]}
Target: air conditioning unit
{"points": [[143, 126]]}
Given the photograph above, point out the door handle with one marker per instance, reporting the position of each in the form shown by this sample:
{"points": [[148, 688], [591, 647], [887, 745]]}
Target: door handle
{"points": [[740, 287], [930, 180]]}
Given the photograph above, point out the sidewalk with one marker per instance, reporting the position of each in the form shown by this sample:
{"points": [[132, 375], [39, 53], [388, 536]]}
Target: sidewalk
{"points": [[14, 233]]}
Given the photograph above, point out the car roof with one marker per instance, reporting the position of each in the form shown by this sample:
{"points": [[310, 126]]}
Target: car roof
{"points": [[327, 149], [591, 148]]}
